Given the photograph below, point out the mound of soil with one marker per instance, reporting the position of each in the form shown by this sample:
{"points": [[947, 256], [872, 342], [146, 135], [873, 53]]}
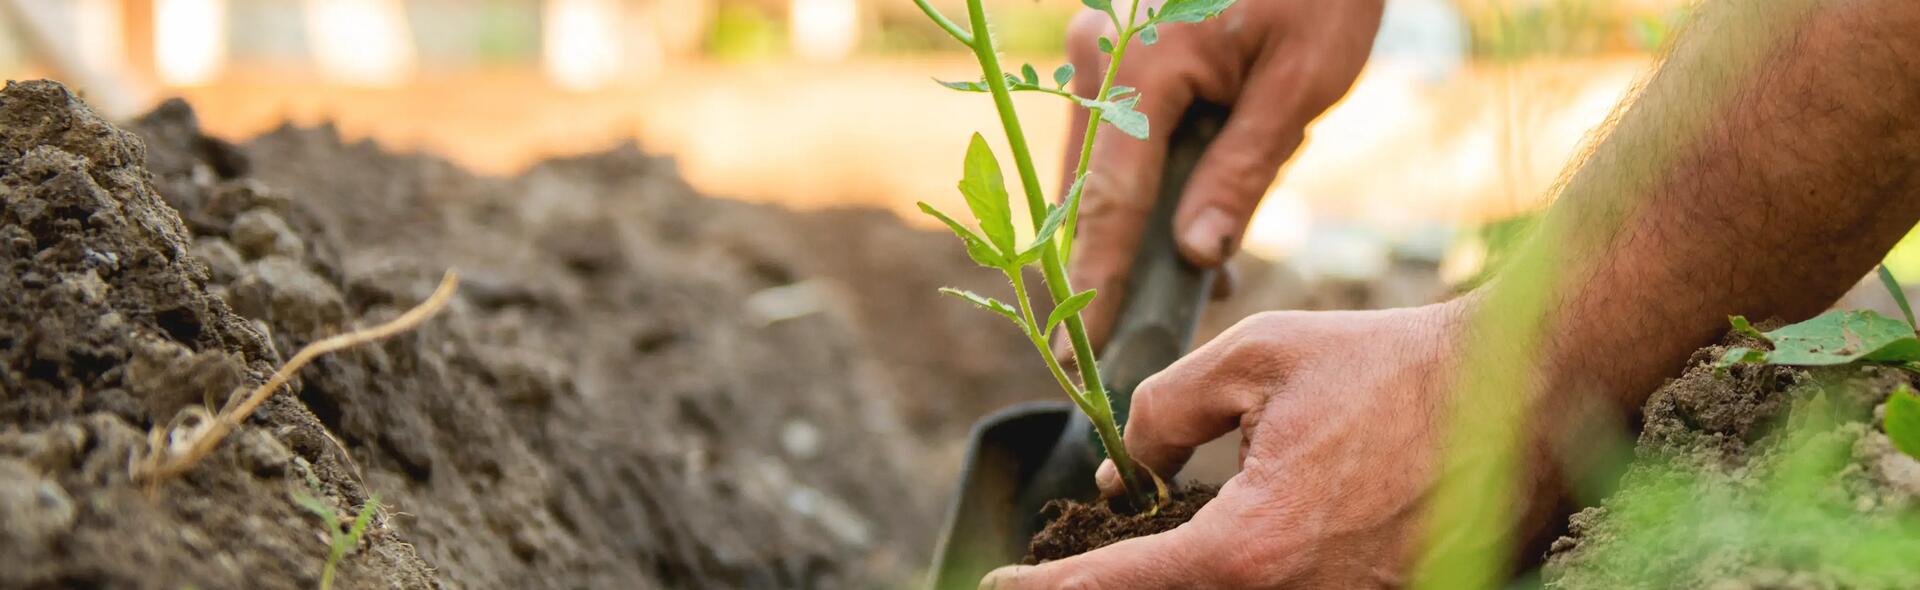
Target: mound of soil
{"points": [[1076, 527], [635, 387], [1755, 477]]}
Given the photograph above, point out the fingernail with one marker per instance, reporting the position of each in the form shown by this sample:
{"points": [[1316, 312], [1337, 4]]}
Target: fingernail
{"points": [[1207, 238], [1107, 477]]}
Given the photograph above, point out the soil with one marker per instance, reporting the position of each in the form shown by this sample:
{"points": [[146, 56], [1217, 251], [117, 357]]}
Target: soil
{"points": [[635, 387], [1075, 527], [1755, 477]]}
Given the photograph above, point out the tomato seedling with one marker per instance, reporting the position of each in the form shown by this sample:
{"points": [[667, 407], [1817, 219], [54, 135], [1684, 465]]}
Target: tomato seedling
{"points": [[984, 187]]}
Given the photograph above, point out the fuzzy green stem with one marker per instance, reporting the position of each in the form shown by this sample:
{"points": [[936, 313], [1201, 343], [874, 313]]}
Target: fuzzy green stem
{"points": [[1039, 340], [947, 25], [1099, 407]]}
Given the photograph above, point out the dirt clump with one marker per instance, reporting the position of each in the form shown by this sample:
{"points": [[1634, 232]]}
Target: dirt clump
{"points": [[1076, 527], [1755, 477], [108, 330]]}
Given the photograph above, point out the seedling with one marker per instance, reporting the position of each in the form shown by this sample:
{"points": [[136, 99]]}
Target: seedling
{"points": [[1843, 337], [339, 542], [994, 245]]}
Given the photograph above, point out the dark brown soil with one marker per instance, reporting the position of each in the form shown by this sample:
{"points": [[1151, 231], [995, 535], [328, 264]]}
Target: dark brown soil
{"points": [[635, 387], [1075, 527]]}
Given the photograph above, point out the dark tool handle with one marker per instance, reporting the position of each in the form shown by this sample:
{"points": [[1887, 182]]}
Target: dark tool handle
{"points": [[1155, 326]]}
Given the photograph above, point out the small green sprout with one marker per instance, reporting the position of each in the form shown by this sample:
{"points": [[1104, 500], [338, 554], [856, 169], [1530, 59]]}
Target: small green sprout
{"points": [[340, 542], [984, 187]]}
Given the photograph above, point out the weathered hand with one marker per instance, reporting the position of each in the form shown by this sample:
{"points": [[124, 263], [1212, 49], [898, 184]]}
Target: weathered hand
{"points": [[1277, 63], [1339, 412]]}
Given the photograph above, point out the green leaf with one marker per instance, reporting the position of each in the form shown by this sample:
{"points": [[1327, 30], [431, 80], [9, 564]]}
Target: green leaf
{"points": [[1120, 114], [1899, 295], [1740, 354], [360, 524], [977, 86], [986, 303], [1902, 420], [1043, 237], [1105, 45], [1840, 337], [1062, 75], [1100, 5], [1031, 76], [1149, 34], [986, 193], [1119, 92], [1073, 217], [1191, 11], [1067, 308], [978, 249], [1742, 326]]}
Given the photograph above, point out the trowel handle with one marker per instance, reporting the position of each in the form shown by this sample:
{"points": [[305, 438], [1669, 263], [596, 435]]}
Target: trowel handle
{"points": [[1164, 291]]}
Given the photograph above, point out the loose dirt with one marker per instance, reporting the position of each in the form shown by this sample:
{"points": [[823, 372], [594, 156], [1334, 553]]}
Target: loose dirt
{"points": [[1075, 527]]}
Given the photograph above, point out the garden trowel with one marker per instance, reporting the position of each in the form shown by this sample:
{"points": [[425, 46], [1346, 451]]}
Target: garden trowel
{"points": [[1021, 457]]}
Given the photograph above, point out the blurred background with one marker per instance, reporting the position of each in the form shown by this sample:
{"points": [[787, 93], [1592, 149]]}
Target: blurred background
{"points": [[1465, 116]]}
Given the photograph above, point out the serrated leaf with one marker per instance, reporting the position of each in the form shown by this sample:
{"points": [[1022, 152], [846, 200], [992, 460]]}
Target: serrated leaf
{"points": [[1191, 11], [1031, 75], [1149, 34], [1062, 75], [1120, 115], [1067, 308], [1840, 337], [1043, 237], [1105, 45], [976, 86], [1899, 295], [986, 303], [1902, 421], [986, 193], [360, 524], [978, 249]]}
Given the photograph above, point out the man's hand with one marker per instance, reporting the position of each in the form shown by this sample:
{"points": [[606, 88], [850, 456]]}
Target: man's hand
{"points": [[1277, 63], [1340, 415]]}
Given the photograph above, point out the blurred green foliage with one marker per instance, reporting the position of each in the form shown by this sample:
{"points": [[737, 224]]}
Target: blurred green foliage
{"points": [[744, 32]]}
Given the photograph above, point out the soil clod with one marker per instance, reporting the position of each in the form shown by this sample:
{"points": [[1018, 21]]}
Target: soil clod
{"points": [[1075, 527]]}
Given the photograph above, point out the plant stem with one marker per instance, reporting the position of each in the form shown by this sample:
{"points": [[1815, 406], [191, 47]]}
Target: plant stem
{"points": [[1099, 407], [1040, 340]]}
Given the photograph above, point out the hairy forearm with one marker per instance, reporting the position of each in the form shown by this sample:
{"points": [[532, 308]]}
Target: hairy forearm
{"points": [[1763, 170]]}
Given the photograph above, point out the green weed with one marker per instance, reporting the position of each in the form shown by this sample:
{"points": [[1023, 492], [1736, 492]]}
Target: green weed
{"points": [[340, 542]]}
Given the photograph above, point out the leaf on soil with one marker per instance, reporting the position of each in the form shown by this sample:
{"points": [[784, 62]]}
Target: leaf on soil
{"points": [[1840, 337], [1191, 11], [1744, 327], [1062, 75], [978, 249], [1899, 294], [986, 193], [986, 303], [1067, 308], [1902, 421], [1740, 354]]}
